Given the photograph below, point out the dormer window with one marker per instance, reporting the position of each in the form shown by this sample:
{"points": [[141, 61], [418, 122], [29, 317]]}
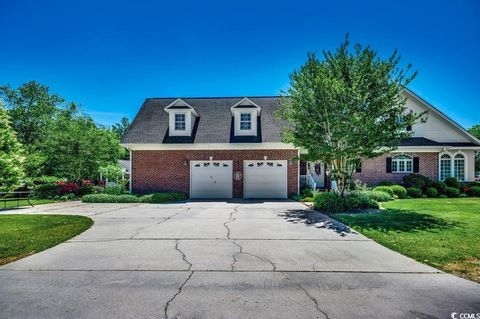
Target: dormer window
{"points": [[245, 116], [181, 118], [180, 122], [245, 121]]}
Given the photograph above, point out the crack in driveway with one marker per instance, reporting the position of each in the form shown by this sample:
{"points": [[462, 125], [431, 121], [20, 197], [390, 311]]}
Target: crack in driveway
{"points": [[230, 220], [317, 306], [184, 257], [137, 232], [235, 260], [176, 294]]}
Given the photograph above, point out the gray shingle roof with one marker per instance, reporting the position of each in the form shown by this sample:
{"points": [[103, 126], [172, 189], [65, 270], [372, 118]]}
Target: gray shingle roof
{"points": [[422, 141], [215, 124]]}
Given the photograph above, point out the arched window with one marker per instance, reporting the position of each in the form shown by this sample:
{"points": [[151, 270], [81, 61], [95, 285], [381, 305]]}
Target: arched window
{"points": [[402, 163], [459, 167], [445, 166]]}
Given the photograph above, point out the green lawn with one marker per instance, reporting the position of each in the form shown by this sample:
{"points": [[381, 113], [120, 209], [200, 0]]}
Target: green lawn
{"points": [[443, 233], [23, 235], [24, 202]]}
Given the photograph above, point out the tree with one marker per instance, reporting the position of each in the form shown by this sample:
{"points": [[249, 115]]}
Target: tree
{"points": [[77, 147], [346, 107], [32, 109], [475, 131], [122, 127], [11, 159], [111, 172]]}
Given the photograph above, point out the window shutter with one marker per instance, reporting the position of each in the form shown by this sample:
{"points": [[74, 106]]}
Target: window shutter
{"points": [[416, 164], [389, 164], [358, 168]]}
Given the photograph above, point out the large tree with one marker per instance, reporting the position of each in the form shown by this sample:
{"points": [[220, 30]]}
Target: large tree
{"points": [[32, 109], [77, 147], [346, 107], [475, 131], [11, 159], [121, 127]]}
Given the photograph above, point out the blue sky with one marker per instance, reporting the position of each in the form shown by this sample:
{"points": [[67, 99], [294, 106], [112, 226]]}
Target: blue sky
{"points": [[110, 55]]}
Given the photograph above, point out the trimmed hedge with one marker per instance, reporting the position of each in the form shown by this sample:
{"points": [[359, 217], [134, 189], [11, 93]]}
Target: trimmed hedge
{"points": [[452, 192], [414, 192], [167, 197], [127, 198], [332, 203], [431, 192], [108, 198], [386, 183], [474, 191], [415, 180], [452, 182], [400, 191], [386, 189], [379, 196]]}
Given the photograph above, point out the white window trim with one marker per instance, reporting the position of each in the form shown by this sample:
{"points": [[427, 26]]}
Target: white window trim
{"points": [[404, 160], [452, 164], [249, 121], [184, 121]]}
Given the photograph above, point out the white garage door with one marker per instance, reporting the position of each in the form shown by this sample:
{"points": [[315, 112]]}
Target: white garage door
{"points": [[265, 179], [211, 179]]}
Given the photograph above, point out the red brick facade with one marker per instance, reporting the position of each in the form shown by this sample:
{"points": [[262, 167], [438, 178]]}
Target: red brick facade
{"points": [[169, 170], [374, 170]]}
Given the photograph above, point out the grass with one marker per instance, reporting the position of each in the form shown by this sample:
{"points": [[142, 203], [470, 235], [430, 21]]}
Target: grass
{"points": [[23, 235], [443, 233], [24, 202]]}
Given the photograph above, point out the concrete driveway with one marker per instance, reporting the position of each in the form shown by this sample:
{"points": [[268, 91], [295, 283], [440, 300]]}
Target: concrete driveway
{"points": [[223, 260]]}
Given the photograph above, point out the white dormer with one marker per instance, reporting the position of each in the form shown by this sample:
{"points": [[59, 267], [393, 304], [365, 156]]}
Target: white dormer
{"points": [[181, 118], [245, 116]]}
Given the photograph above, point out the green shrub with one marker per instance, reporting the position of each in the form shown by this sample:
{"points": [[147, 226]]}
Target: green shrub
{"points": [[474, 184], [431, 192], [306, 191], [442, 196], [386, 189], [48, 190], [441, 187], [386, 183], [414, 192], [416, 181], [474, 191], [462, 195], [357, 185], [331, 202], [295, 197], [379, 196], [108, 198], [306, 199], [114, 190], [452, 182], [452, 191], [400, 191], [167, 197]]}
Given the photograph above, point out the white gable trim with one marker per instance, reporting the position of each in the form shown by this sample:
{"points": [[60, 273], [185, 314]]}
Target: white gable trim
{"points": [[181, 102], [443, 116], [246, 101]]}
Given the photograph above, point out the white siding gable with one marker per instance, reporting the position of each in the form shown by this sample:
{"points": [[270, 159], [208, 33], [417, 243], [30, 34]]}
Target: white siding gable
{"points": [[435, 128]]}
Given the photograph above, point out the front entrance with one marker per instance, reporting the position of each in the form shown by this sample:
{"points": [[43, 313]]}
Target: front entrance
{"points": [[317, 171], [265, 179], [211, 179]]}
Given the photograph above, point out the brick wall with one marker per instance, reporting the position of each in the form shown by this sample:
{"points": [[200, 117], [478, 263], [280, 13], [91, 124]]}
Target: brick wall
{"points": [[170, 170], [374, 170]]}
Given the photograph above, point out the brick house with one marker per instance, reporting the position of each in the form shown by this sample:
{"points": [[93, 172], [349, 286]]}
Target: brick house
{"points": [[232, 147]]}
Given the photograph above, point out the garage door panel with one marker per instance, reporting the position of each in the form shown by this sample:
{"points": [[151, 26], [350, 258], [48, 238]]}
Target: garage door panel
{"points": [[265, 179], [211, 179]]}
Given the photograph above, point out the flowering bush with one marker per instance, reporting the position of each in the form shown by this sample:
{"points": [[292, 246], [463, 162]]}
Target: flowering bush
{"points": [[68, 188]]}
